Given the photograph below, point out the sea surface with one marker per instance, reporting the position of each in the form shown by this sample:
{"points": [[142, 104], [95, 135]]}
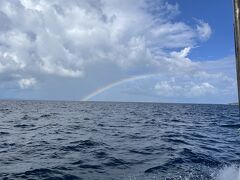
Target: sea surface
{"points": [[119, 141]]}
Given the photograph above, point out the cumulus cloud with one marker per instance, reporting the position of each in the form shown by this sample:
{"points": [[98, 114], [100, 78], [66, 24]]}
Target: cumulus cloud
{"points": [[97, 42], [189, 89], [26, 83], [64, 38], [209, 82], [195, 87]]}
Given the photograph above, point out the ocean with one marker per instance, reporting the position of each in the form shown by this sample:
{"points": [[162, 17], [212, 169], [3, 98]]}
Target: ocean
{"points": [[56, 140]]}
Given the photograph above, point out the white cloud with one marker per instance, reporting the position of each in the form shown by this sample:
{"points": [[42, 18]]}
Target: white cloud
{"points": [[202, 89], [166, 89], [26, 83], [94, 43], [182, 54], [64, 38], [187, 89], [204, 30], [209, 82]]}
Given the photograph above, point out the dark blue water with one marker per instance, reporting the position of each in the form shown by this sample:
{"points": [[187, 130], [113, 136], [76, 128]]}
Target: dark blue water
{"points": [[76, 140]]}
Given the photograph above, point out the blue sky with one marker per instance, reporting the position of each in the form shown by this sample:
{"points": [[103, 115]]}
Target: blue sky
{"points": [[219, 14], [137, 50]]}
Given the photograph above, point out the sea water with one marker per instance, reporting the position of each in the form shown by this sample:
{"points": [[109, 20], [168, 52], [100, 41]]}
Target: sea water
{"points": [[129, 141]]}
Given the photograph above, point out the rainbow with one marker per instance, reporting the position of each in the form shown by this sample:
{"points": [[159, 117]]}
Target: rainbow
{"points": [[117, 83]]}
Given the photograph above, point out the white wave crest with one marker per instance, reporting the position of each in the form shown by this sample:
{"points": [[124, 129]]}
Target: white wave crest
{"points": [[229, 173]]}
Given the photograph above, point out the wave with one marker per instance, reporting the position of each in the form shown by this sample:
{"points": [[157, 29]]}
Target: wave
{"points": [[226, 173], [96, 140], [229, 173], [237, 126]]}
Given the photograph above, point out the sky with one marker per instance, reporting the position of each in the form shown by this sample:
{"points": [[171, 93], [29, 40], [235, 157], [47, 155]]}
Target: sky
{"points": [[178, 51]]}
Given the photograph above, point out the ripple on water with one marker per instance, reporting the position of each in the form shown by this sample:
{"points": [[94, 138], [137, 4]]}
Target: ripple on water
{"points": [[95, 140], [47, 174]]}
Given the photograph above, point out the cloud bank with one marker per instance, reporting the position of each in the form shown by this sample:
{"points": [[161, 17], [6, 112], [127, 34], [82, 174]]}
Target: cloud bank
{"points": [[86, 45]]}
